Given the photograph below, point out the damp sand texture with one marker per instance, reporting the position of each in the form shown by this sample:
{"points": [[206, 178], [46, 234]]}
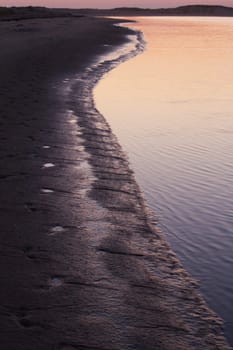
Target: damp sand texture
{"points": [[82, 266]]}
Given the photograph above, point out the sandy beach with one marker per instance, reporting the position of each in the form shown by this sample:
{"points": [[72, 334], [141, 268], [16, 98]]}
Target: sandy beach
{"points": [[82, 264]]}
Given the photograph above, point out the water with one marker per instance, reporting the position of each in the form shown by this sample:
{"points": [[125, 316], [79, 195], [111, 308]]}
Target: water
{"points": [[172, 111]]}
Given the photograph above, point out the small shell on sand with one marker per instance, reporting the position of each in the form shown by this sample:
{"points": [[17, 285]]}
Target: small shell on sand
{"points": [[46, 190], [48, 165]]}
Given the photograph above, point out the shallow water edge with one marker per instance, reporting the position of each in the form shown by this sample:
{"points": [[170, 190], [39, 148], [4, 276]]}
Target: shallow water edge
{"points": [[170, 110]]}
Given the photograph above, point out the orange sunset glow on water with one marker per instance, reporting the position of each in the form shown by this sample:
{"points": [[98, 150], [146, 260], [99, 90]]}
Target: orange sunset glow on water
{"points": [[177, 67]]}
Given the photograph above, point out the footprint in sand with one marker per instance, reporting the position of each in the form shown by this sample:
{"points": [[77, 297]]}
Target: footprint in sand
{"points": [[56, 229], [55, 282]]}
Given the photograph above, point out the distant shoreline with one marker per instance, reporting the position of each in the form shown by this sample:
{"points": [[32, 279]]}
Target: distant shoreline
{"points": [[189, 10], [30, 12]]}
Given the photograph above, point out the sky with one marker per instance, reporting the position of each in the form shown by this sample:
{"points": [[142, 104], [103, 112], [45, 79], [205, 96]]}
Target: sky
{"points": [[112, 3]]}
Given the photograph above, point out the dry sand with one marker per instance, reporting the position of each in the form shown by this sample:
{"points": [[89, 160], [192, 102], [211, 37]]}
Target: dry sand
{"points": [[82, 266]]}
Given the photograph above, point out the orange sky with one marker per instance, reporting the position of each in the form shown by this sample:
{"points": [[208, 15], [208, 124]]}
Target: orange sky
{"points": [[111, 3]]}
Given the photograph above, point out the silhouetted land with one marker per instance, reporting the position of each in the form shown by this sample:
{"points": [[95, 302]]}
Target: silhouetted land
{"points": [[18, 13], [191, 10], [30, 12]]}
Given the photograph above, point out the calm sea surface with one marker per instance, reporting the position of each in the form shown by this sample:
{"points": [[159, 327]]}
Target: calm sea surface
{"points": [[172, 111]]}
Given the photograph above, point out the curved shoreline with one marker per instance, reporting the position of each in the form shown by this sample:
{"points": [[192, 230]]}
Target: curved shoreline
{"points": [[83, 266], [110, 187]]}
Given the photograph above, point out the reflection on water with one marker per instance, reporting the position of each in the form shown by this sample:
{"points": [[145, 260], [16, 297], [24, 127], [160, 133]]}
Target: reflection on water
{"points": [[171, 109]]}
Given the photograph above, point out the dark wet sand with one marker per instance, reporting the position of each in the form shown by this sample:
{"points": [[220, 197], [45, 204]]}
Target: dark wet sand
{"points": [[82, 266]]}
